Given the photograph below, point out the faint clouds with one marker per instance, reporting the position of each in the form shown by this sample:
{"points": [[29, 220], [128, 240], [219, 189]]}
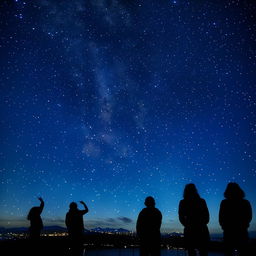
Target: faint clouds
{"points": [[139, 117], [109, 222], [54, 221], [125, 151], [107, 138], [107, 144], [113, 12], [125, 219], [91, 149], [80, 6]]}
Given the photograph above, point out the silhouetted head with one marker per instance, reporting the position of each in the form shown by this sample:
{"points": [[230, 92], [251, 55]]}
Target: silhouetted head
{"points": [[233, 191], [73, 206], [150, 201], [190, 192], [34, 212]]}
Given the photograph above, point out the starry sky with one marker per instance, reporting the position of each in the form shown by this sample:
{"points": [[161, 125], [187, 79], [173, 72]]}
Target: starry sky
{"points": [[109, 101]]}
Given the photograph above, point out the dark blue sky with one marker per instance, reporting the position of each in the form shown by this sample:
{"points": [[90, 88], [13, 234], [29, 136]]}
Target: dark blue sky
{"points": [[110, 101]]}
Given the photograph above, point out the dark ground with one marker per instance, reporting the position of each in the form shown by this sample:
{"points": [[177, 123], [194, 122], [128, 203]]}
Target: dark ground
{"points": [[58, 246]]}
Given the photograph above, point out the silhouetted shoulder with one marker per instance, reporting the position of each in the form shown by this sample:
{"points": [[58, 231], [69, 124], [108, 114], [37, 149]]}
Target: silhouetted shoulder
{"points": [[196, 202], [150, 210], [247, 203], [158, 211], [235, 203], [235, 213], [193, 212], [182, 204], [224, 201], [148, 228], [155, 210], [146, 211], [203, 202]]}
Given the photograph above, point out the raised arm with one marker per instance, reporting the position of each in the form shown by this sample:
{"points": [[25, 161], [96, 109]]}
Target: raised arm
{"points": [[41, 207], [85, 208]]}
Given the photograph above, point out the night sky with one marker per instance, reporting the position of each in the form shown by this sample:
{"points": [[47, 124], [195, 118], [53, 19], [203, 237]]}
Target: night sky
{"points": [[109, 101]]}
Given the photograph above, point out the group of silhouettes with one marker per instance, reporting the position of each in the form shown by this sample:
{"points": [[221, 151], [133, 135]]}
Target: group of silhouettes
{"points": [[235, 215], [74, 222]]}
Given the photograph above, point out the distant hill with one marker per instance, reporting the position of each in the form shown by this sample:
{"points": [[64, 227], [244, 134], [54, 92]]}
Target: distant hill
{"points": [[172, 234], [109, 230], [55, 229], [62, 229], [24, 229], [214, 236], [13, 230]]}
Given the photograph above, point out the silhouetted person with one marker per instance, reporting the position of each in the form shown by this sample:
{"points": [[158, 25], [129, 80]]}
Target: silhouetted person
{"points": [[75, 225], [235, 216], [148, 229], [36, 223], [194, 216]]}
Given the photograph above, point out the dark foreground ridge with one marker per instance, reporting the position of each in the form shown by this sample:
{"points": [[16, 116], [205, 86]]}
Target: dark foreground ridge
{"points": [[59, 246]]}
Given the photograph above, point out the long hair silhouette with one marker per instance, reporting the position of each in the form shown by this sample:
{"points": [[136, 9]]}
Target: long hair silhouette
{"points": [[233, 191], [194, 216], [235, 216], [190, 192]]}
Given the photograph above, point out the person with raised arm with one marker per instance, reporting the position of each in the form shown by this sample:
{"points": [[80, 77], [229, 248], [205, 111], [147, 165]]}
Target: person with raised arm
{"points": [[75, 225], [36, 223]]}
